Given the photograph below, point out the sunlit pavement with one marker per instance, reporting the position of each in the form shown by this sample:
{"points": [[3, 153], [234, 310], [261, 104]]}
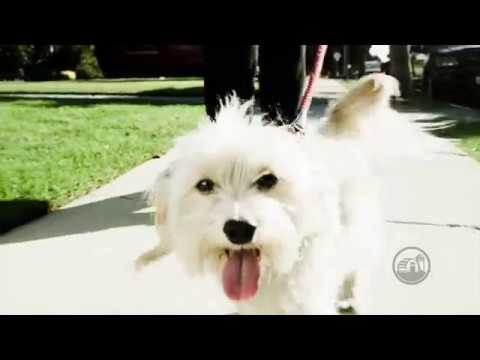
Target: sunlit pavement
{"points": [[80, 260]]}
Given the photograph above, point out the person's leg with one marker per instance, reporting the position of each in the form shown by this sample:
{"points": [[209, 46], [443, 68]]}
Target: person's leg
{"points": [[282, 81], [227, 69]]}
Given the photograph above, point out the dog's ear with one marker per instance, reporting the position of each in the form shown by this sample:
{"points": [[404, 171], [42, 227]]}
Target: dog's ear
{"points": [[158, 196]]}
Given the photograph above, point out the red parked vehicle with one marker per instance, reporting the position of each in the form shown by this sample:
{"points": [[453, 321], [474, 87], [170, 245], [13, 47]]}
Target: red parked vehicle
{"points": [[150, 60]]}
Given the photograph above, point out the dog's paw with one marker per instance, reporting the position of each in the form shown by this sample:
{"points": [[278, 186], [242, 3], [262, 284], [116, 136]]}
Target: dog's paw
{"points": [[346, 307], [149, 257], [141, 263]]}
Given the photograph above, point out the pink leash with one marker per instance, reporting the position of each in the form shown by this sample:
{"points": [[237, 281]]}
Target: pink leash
{"points": [[306, 101]]}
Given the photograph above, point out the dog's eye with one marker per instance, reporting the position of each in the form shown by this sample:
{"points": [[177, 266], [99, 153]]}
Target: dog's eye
{"points": [[205, 186], [266, 182]]}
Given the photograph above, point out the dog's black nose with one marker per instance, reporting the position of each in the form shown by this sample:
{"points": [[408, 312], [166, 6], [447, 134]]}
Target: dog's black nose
{"points": [[239, 232]]}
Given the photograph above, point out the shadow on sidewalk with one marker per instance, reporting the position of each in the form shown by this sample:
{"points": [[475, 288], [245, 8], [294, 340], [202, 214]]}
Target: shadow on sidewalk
{"points": [[465, 122], [116, 212], [17, 212], [192, 91], [318, 108], [129, 80], [91, 102]]}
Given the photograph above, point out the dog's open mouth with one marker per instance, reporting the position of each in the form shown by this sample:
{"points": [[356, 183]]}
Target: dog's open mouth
{"points": [[241, 273]]}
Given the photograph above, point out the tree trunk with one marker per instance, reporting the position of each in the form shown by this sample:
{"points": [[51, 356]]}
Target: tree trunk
{"points": [[401, 68]]}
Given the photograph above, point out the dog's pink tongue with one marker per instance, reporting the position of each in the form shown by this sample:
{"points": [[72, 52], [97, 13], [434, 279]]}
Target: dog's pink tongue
{"points": [[240, 274]]}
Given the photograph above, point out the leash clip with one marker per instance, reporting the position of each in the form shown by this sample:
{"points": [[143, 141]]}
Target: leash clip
{"points": [[296, 129]]}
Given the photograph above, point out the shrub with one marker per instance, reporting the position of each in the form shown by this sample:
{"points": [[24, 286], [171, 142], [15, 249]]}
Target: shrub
{"points": [[87, 67], [39, 63], [13, 60]]}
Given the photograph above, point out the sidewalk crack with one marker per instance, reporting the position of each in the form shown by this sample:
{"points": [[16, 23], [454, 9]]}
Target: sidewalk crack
{"points": [[472, 227]]}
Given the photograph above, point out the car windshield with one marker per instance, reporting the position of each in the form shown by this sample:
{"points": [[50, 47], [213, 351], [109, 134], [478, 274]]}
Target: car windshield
{"points": [[453, 48]]}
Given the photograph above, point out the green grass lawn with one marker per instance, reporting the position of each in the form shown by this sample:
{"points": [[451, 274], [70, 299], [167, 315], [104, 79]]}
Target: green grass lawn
{"points": [[469, 136], [58, 150], [169, 86], [465, 122]]}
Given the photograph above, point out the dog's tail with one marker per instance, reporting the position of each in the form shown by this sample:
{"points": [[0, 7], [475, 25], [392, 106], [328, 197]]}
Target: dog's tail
{"points": [[364, 114]]}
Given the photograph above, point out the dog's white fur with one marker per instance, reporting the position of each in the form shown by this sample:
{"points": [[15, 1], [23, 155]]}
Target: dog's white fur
{"points": [[320, 226]]}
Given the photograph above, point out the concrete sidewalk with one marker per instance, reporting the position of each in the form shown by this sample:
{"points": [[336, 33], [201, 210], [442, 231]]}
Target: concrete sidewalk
{"points": [[79, 260]]}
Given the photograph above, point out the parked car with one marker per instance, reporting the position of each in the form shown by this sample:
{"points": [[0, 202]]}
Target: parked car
{"points": [[150, 60], [372, 66], [452, 73]]}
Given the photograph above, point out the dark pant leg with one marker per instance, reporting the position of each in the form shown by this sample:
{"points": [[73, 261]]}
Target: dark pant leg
{"points": [[227, 69], [282, 79]]}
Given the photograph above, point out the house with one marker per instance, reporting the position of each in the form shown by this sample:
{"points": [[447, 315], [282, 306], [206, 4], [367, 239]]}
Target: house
{"points": [[150, 60]]}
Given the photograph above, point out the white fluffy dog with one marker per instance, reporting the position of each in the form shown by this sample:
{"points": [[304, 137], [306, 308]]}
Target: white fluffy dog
{"points": [[283, 220]]}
